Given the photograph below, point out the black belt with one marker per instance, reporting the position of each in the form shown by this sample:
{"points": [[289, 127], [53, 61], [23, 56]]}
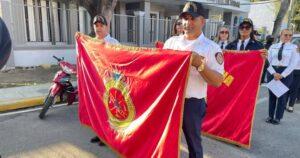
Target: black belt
{"points": [[277, 67]]}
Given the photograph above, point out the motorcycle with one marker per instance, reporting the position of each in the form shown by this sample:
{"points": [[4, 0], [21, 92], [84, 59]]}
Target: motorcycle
{"points": [[62, 87]]}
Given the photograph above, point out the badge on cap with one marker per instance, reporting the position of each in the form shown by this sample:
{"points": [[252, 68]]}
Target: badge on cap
{"points": [[219, 58], [188, 6]]}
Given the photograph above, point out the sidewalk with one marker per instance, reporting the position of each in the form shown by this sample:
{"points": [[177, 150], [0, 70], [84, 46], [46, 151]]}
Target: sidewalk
{"points": [[22, 97]]}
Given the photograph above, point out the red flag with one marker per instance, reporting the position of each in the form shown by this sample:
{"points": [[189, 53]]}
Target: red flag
{"points": [[132, 97], [230, 108]]}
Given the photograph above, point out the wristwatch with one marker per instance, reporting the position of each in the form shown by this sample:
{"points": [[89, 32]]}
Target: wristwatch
{"points": [[200, 68]]}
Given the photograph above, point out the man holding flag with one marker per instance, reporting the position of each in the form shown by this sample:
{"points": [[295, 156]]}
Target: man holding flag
{"points": [[101, 33], [207, 68]]}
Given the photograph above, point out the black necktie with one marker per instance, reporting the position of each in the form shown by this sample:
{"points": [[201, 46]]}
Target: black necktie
{"points": [[280, 52], [222, 45], [242, 46]]}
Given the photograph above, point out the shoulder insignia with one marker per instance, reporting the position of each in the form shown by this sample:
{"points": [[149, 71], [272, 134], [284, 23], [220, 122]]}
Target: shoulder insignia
{"points": [[219, 57]]}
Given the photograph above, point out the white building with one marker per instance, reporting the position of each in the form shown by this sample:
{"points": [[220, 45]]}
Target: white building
{"points": [[42, 28], [263, 16]]}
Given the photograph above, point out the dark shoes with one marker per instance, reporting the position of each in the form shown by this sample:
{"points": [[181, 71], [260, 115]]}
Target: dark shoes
{"points": [[97, 140], [269, 120], [101, 143], [276, 122], [273, 121]]}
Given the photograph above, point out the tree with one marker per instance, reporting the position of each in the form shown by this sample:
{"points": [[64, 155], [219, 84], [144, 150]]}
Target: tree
{"points": [[94, 7], [282, 11], [294, 16]]}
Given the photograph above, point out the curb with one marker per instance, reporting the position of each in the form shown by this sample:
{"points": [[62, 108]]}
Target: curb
{"points": [[23, 103]]}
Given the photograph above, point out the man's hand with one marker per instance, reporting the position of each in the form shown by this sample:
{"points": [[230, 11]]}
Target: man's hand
{"points": [[277, 76], [197, 59], [264, 53]]}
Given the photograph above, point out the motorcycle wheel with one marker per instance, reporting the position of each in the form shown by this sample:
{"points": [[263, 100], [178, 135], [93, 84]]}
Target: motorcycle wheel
{"points": [[47, 103]]}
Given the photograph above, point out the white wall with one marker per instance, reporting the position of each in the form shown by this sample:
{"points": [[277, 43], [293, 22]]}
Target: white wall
{"points": [[245, 8], [24, 58]]}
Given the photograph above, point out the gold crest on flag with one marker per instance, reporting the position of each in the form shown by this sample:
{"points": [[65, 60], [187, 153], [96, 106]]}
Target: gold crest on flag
{"points": [[118, 103]]}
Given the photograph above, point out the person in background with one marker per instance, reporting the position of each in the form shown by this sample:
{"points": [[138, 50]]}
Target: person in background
{"points": [[101, 33], [298, 97], [269, 41], [101, 30], [246, 39], [294, 89], [223, 37], [283, 58], [177, 28], [256, 35]]}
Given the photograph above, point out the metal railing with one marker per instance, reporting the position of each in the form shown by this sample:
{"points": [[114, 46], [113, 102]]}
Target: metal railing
{"points": [[57, 23]]}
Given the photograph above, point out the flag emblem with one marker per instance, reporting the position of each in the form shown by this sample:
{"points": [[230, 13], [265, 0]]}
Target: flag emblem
{"points": [[118, 103]]}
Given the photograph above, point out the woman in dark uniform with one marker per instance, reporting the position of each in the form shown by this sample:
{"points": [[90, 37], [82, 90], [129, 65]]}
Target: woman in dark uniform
{"points": [[246, 39]]}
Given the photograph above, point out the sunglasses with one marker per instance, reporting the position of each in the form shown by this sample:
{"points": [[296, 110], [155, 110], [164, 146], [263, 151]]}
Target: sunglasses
{"points": [[178, 23], [287, 35], [245, 27], [224, 32]]}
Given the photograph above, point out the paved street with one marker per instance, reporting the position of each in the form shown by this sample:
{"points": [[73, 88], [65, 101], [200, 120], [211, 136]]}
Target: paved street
{"points": [[61, 135]]}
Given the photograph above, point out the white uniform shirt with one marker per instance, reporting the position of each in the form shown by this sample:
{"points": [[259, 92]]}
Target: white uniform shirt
{"points": [[197, 86], [298, 62], [289, 58], [108, 39], [246, 41], [224, 45]]}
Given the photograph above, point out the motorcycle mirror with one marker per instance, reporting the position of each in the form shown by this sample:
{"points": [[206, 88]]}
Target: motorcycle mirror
{"points": [[58, 59]]}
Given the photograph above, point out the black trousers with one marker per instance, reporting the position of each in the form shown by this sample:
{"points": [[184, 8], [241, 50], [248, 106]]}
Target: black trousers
{"points": [[298, 95], [263, 76], [278, 104], [194, 111], [294, 89]]}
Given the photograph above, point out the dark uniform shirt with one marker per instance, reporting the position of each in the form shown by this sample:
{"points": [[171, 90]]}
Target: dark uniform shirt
{"points": [[252, 45]]}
